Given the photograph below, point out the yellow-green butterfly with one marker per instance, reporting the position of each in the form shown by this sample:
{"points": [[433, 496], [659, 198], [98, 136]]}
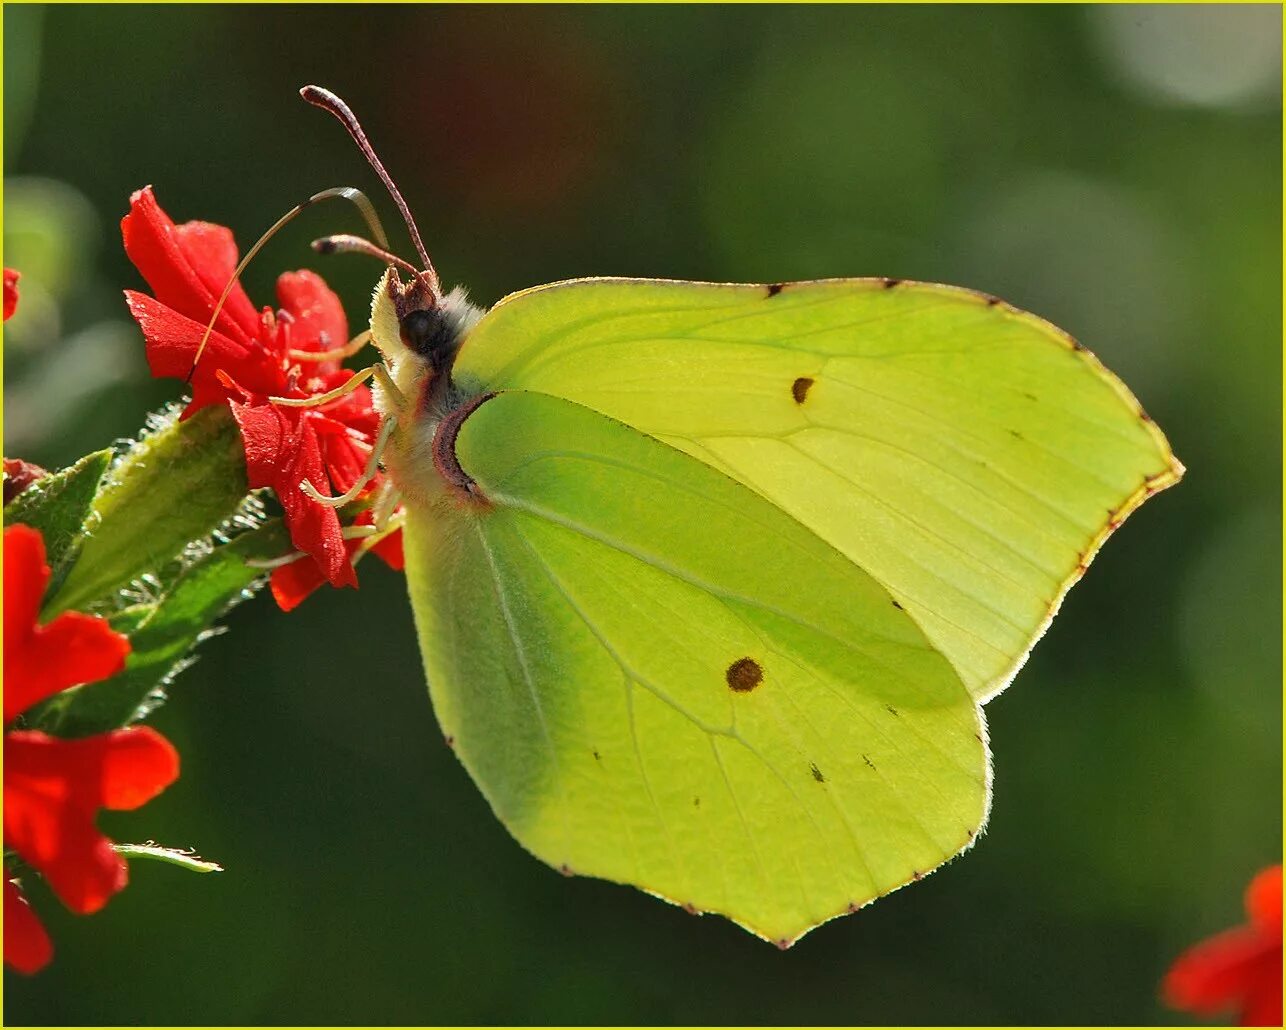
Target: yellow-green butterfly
{"points": [[712, 581]]}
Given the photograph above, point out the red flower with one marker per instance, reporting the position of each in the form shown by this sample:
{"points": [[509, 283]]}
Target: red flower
{"points": [[1241, 967], [10, 292], [53, 788], [250, 357]]}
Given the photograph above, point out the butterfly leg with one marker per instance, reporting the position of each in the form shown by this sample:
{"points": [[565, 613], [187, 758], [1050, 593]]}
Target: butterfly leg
{"points": [[358, 378]]}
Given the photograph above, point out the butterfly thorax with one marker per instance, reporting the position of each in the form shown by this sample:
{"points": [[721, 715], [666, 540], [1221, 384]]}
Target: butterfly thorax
{"points": [[419, 334]]}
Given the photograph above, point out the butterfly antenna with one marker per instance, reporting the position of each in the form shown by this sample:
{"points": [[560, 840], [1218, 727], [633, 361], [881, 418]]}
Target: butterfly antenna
{"points": [[347, 192], [343, 243], [327, 101]]}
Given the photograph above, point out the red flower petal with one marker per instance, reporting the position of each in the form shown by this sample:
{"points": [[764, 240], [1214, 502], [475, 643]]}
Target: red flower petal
{"points": [[42, 660], [10, 292], [291, 583], [1239, 968], [52, 791], [1215, 973], [187, 266], [281, 452], [25, 578], [27, 947], [1264, 899], [319, 322], [172, 342]]}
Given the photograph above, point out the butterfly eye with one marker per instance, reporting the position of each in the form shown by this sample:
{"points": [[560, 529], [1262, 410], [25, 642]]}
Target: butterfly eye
{"points": [[427, 333]]}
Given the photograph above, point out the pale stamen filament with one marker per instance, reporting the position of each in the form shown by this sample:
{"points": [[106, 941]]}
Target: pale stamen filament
{"points": [[335, 353]]}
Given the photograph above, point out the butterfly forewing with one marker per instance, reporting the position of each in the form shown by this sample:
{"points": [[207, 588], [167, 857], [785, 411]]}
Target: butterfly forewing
{"points": [[969, 456]]}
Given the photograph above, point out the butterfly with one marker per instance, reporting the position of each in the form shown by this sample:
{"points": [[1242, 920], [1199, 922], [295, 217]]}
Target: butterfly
{"points": [[712, 581]]}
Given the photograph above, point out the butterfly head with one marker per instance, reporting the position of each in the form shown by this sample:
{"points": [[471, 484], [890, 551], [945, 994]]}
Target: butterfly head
{"points": [[418, 329]]}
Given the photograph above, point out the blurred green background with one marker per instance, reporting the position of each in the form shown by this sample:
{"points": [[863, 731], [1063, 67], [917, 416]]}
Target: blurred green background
{"points": [[1115, 169]]}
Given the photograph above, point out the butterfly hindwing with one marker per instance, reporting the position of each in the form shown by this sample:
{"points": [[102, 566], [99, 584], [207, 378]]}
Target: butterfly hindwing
{"points": [[658, 677]]}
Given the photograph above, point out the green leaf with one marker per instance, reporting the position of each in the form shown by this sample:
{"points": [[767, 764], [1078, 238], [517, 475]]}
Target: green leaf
{"points": [[58, 506], [179, 483], [163, 633], [185, 859]]}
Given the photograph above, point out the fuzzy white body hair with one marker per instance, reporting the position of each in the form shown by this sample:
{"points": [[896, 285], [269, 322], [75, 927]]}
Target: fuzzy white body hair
{"points": [[423, 403]]}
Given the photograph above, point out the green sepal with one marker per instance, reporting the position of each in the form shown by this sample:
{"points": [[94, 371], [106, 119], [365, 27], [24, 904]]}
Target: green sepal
{"points": [[162, 634], [178, 483], [58, 505]]}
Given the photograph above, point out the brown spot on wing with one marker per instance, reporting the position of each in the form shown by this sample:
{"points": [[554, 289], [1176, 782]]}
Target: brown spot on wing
{"points": [[799, 388], [890, 283], [775, 288], [744, 675], [817, 773]]}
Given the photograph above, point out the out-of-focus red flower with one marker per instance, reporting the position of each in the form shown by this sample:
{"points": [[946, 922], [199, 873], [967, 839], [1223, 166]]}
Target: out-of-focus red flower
{"points": [[41, 660], [27, 947], [10, 292], [1240, 968], [53, 788], [250, 357]]}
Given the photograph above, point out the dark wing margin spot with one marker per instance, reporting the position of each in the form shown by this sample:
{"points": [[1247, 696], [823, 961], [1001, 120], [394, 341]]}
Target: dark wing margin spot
{"points": [[775, 288], [744, 675], [799, 388], [817, 773], [897, 605], [890, 283]]}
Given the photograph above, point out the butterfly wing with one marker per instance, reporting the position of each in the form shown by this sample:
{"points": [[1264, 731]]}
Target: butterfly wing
{"points": [[969, 456], [657, 677]]}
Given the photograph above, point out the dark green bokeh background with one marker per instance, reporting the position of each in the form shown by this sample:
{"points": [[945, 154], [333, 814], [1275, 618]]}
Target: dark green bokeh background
{"points": [[1090, 165]]}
